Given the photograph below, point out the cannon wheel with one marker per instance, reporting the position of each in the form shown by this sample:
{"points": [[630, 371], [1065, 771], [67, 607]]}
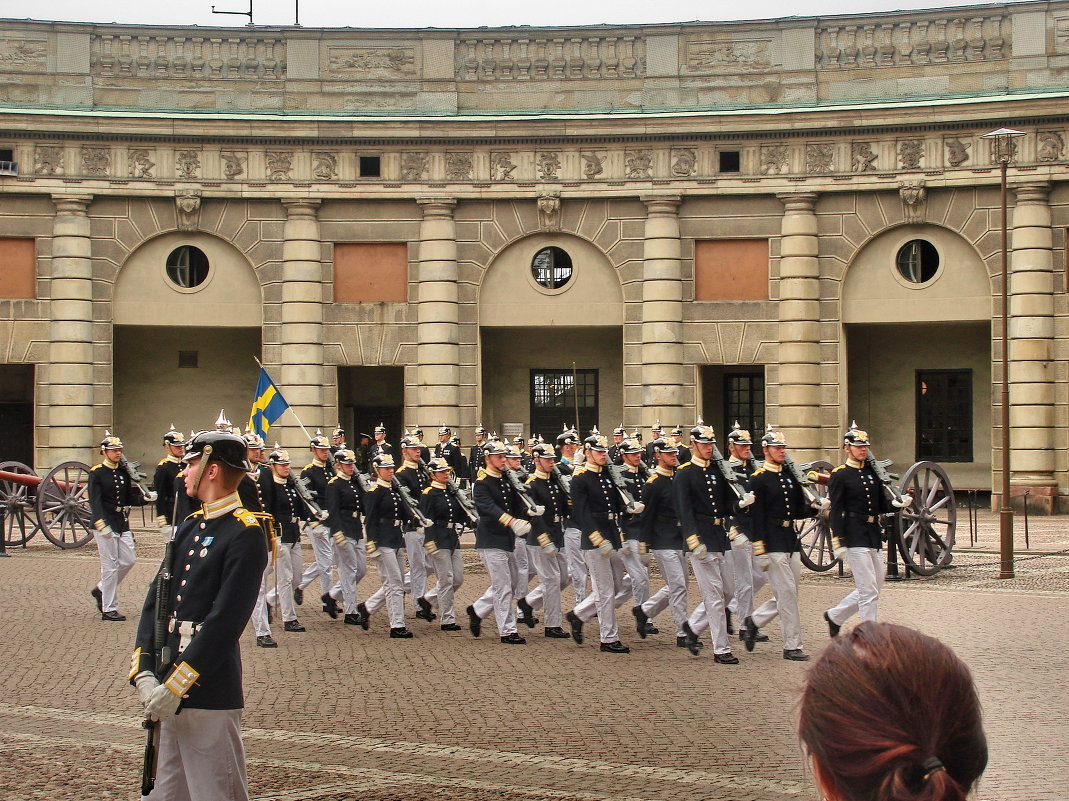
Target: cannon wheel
{"points": [[927, 527], [815, 533], [20, 523], [63, 505]]}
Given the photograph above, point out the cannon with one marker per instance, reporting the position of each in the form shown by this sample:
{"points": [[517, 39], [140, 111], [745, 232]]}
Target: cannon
{"points": [[923, 534], [57, 505]]}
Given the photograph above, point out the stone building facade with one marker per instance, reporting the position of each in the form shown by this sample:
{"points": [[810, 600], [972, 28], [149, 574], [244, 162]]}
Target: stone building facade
{"points": [[792, 221]]}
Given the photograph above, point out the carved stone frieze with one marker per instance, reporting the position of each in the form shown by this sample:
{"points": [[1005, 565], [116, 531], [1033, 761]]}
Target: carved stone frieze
{"points": [[684, 162], [548, 166], [233, 163], [279, 164], [48, 160], [501, 167], [187, 209], [23, 55], [638, 164], [911, 153], [187, 57], [957, 151], [141, 163], [187, 164], [458, 166], [862, 159], [372, 62], [705, 56], [413, 166], [324, 165], [593, 164], [819, 158], [1050, 146], [914, 201], [96, 161], [775, 159]]}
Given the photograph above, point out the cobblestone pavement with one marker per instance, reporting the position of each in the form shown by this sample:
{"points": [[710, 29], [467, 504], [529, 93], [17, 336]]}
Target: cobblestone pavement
{"points": [[340, 714]]}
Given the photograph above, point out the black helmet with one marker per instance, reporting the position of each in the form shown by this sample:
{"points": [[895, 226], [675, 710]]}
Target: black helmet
{"points": [[630, 446], [279, 455], [596, 441], [493, 447], [319, 441], [173, 437], [567, 437], [619, 431], [338, 432], [773, 437], [855, 436], [345, 456], [739, 435], [380, 429], [253, 440], [443, 430], [543, 451], [480, 431], [382, 460], [110, 442], [663, 446], [218, 446], [702, 433]]}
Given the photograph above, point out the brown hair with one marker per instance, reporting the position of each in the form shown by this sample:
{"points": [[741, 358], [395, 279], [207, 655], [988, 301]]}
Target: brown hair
{"points": [[890, 714]]}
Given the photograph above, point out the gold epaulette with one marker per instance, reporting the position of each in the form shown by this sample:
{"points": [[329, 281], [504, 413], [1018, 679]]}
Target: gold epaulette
{"points": [[837, 469], [427, 489], [579, 470], [333, 480], [95, 467], [758, 471], [246, 517], [685, 464], [529, 479], [160, 462], [310, 464], [652, 478], [481, 474]]}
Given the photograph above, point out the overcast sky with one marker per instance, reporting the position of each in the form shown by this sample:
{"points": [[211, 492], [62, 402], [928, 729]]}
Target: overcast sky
{"points": [[440, 14]]}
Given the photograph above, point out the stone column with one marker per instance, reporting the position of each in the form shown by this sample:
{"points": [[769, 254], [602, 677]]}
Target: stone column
{"points": [[1031, 333], [70, 352], [662, 315], [437, 400], [798, 409], [301, 373]]}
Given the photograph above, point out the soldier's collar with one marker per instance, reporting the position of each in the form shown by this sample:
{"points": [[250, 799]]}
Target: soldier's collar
{"points": [[734, 460], [111, 464], [490, 471], [854, 463], [438, 484], [382, 483], [772, 467], [664, 471], [631, 468], [699, 461], [539, 474], [593, 467], [319, 463], [218, 508], [277, 478], [172, 459], [409, 464]]}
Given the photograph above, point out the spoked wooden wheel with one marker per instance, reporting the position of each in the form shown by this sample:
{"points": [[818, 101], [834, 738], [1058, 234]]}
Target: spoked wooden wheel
{"points": [[63, 505], [927, 529], [17, 501], [815, 533]]}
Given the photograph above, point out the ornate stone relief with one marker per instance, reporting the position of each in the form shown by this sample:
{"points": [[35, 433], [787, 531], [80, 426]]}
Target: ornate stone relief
{"points": [[233, 163], [819, 158], [96, 160], [593, 164], [548, 166], [862, 159], [279, 164], [324, 166], [372, 62], [458, 166], [48, 160], [638, 164], [957, 151], [23, 55], [704, 56], [187, 164], [1050, 146], [910, 153], [914, 201], [187, 208], [141, 163], [684, 162], [775, 159], [413, 166], [549, 212], [501, 166]]}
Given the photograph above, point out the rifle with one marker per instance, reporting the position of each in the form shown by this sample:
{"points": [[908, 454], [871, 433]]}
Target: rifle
{"points": [[136, 476], [413, 506], [727, 472], [306, 495], [563, 481], [887, 479], [163, 658], [621, 486], [364, 479], [453, 486], [803, 481], [521, 490]]}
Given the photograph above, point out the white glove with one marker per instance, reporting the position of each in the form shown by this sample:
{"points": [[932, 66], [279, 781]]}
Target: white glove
{"points": [[549, 549], [903, 501], [701, 552], [322, 515], [537, 510], [839, 552], [746, 499], [166, 531], [341, 540], [821, 504], [605, 548], [763, 561], [646, 558], [521, 528], [146, 683], [162, 703], [107, 532], [151, 496], [637, 508]]}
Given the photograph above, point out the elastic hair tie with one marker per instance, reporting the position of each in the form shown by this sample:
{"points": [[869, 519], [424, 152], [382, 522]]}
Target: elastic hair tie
{"points": [[931, 766]]}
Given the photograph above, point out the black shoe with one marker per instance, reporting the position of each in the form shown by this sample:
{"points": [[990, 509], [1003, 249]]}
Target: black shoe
{"points": [[266, 641], [98, 596], [642, 621], [513, 639], [833, 627], [401, 634], [112, 616], [330, 606], [652, 629], [726, 659], [425, 612], [293, 625], [451, 627], [557, 633], [759, 638], [365, 616], [475, 623], [352, 619], [577, 627], [731, 626], [615, 648], [298, 596], [526, 613], [690, 639], [795, 655], [750, 632]]}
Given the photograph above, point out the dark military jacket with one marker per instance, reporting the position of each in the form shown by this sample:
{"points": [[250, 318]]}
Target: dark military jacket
{"points": [[380, 448], [779, 501], [498, 504], [635, 479], [704, 500], [476, 461], [741, 518], [439, 505], [316, 477], [286, 506], [111, 493], [415, 478], [683, 453], [659, 521], [385, 515], [546, 492], [614, 454], [857, 501], [452, 455], [596, 505], [218, 559], [344, 506], [254, 488], [184, 506], [163, 484]]}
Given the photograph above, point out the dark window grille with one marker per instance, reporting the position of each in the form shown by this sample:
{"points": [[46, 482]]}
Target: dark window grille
{"points": [[917, 261], [370, 167], [744, 401], [553, 400], [187, 266], [552, 267], [944, 415], [729, 161], [188, 358]]}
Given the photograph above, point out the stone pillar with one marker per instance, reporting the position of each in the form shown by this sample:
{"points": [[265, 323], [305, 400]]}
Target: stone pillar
{"points": [[662, 315], [798, 409], [437, 400], [1031, 333], [301, 373], [70, 352]]}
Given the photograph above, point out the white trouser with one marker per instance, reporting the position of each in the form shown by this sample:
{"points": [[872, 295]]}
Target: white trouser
{"points": [[259, 612], [783, 576], [608, 581], [742, 566], [716, 581], [673, 567], [289, 567], [392, 592], [523, 562], [201, 757], [418, 564], [639, 573], [552, 569], [351, 560], [116, 558], [323, 566], [573, 550], [867, 566], [500, 595], [449, 567]]}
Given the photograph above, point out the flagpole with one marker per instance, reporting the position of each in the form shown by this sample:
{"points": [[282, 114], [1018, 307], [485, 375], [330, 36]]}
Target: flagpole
{"points": [[288, 407]]}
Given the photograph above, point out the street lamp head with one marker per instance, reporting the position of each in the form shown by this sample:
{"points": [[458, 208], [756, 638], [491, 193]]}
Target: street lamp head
{"points": [[1004, 148]]}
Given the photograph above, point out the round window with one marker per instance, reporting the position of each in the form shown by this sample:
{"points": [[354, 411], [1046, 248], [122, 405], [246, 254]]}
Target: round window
{"points": [[552, 267], [918, 261], [187, 266]]}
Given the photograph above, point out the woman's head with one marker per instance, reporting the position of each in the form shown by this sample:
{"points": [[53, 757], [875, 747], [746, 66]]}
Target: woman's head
{"points": [[890, 714]]}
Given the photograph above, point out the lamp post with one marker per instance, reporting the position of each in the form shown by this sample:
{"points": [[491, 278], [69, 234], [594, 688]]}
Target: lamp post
{"points": [[1004, 149]]}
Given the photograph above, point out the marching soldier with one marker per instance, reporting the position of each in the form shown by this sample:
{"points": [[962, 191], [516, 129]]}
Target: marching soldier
{"points": [[315, 476], [344, 506], [749, 578], [619, 434], [252, 490], [635, 551], [567, 444], [501, 520], [476, 457], [682, 451], [285, 505], [163, 480], [424, 451], [337, 441], [779, 501], [442, 540], [380, 447], [412, 474], [218, 559], [111, 494], [858, 499], [514, 463], [448, 450], [385, 516], [656, 433]]}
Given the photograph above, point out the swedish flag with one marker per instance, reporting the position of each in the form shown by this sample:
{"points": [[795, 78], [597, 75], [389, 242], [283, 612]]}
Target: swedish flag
{"points": [[267, 405]]}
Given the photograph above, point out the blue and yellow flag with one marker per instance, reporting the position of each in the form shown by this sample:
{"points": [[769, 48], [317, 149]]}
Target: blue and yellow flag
{"points": [[267, 405]]}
